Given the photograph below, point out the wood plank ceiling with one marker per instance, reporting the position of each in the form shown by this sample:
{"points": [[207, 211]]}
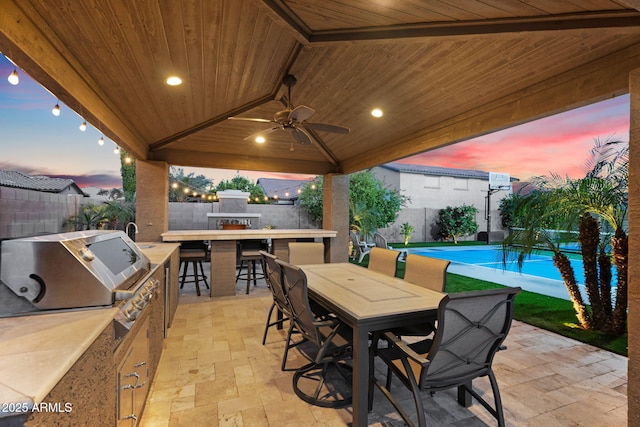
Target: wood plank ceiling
{"points": [[442, 71]]}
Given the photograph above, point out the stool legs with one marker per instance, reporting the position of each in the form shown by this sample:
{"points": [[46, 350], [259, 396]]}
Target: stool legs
{"points": [[251, 273], [196, 274]]}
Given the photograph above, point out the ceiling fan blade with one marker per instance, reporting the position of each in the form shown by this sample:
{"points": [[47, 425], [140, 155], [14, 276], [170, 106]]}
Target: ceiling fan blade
{"points": [[301, 113], [249, 119], [261, 133], [300, 135], [324, 127]]}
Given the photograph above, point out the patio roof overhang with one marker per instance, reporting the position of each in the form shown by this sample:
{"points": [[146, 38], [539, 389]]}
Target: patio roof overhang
{"points": [[442, 72]]}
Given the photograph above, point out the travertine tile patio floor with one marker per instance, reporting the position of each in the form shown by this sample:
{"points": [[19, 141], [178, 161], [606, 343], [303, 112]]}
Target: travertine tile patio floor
{"points": [[214, 371]]}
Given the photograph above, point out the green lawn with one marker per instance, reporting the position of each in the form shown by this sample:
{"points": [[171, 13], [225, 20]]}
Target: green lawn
{"points": [[549, 313]]}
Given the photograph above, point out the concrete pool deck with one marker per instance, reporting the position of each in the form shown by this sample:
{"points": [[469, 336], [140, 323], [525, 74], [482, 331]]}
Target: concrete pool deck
{"points": [[528, 282]]}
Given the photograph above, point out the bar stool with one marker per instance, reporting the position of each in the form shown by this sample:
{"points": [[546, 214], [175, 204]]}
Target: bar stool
{"points": [[249, 255], [194, 252]]}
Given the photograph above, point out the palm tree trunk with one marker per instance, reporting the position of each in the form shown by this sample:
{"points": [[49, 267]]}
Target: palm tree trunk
{"points": [[604, 269], [563, 265], [589, 237], [620, 250]]}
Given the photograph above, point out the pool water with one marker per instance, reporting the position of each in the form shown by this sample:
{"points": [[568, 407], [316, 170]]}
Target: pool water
{"points": [[491, 257]]}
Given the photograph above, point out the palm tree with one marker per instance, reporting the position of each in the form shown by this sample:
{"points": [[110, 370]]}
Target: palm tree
{"points": [[362, 218], [535, 232], [600, 198]]}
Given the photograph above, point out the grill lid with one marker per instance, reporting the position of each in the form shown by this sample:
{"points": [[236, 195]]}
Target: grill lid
{"points": [[70, 270]]}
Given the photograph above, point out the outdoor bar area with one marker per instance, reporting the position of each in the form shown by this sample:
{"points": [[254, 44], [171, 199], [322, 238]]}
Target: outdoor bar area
{"points": [[232, 321]]}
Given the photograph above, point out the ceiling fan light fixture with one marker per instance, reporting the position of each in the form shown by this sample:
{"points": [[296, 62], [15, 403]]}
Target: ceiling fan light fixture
{"points": [[376, 112], [260, 139]]}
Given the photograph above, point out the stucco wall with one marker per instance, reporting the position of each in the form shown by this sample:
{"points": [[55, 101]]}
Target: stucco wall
{"points": [[193, 216], [26, 212]]}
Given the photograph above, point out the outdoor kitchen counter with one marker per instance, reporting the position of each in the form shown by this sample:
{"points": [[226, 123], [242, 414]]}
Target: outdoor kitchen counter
{"points": [[223, 249], [37, 351], [158, 253]]}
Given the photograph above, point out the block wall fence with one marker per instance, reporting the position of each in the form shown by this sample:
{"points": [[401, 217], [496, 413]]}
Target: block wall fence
{"points": [[27, 212]]}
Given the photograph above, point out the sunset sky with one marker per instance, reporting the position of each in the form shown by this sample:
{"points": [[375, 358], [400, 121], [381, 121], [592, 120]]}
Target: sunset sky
{"points": [[35, 142]]}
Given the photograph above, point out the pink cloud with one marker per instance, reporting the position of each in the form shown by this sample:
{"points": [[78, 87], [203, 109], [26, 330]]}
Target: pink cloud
{"points": [[558, 144]]}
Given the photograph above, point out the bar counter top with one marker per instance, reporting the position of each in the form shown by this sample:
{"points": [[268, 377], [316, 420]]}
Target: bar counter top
{"points": [[273, 233]]}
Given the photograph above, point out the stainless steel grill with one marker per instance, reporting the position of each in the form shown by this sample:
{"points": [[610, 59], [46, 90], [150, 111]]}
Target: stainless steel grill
{"points": [[73, 270]]}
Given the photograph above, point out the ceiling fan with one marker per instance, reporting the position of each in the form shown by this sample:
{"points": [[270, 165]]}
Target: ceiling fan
{"points": [[293, 120]]}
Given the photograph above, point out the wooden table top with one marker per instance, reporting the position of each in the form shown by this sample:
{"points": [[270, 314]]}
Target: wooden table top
{"points": [[366, 294], [184, 235]]}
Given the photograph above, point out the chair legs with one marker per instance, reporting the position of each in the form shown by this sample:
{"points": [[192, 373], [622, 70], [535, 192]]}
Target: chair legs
{"points": [[338, 395], [279, 321]]}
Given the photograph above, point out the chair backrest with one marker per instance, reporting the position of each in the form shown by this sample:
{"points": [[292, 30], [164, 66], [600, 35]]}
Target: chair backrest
{"points": [[471, 328], [303, 253], [430, 273], [295, 288], [274, 280], [357, 250], [380, 241], [384, 261]]}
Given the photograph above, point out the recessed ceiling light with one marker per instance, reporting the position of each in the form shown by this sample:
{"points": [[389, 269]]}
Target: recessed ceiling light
{"points": [[174, 81], [376, 112], [260, 139]]}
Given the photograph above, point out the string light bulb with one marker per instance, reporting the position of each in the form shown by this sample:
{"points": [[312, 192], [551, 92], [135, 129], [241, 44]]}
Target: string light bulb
{"points": [[13, 78], [56, 110], [83, 126], [101, 140], [116, 150]]}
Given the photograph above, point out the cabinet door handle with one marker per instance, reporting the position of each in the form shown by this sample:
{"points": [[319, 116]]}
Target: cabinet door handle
{"points": [[140, 385], [127, 387], [132, 374], [137, 365], [131, 417]]}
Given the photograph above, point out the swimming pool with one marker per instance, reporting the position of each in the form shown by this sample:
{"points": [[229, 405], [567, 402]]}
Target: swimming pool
{"points": [[538, 273]]}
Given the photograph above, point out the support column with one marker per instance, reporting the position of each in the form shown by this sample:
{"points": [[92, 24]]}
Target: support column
{"points": [[335, 215], [152, 200], [633, 375]]}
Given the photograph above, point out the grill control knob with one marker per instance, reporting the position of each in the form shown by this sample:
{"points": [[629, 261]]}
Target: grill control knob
{"points": [[140, 302], [130, 314]]}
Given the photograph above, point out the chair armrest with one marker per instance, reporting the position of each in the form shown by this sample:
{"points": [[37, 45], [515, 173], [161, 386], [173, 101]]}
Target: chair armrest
{"points": [[404, 348]]}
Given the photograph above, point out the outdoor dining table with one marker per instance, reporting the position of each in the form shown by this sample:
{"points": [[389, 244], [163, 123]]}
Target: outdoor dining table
{"points": [[367, 301], [223, 249]]}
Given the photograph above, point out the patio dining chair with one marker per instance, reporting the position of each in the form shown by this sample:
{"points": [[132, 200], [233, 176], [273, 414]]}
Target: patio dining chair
{"points": [[429, 273], [384, 261], [358, 250], [471, 328], [381, 242], [303, 253], [326, 380]]}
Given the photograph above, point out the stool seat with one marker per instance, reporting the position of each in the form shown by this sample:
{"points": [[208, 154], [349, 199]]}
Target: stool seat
{"points": [[249, 255], [195, 256]]}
